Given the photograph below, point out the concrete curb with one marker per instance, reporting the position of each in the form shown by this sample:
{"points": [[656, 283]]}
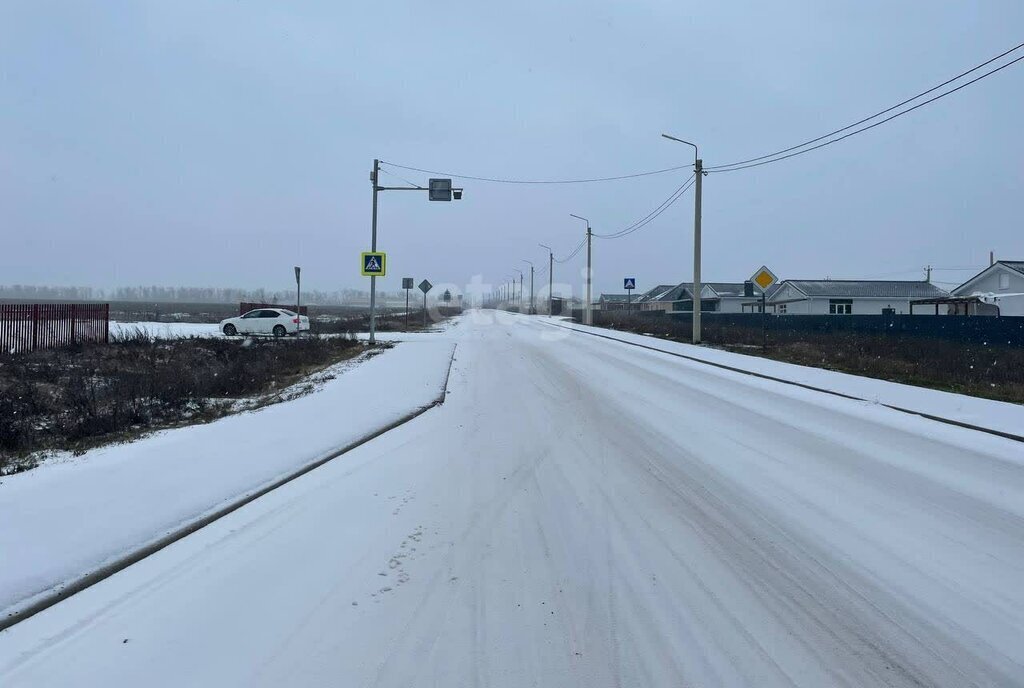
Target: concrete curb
{"points": [[929, 416], [48, 599]]}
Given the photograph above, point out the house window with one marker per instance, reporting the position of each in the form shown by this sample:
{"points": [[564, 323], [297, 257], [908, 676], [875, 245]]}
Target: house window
{"points": [[782, 309], [840, 306], [1004, 280]]}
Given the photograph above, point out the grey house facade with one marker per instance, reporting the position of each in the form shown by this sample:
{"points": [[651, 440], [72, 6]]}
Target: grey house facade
{"points": [[850, 297]]}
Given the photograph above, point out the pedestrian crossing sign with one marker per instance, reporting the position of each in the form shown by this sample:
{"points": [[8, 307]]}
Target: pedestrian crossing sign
{"points": [[374, 263], [629, 283]]}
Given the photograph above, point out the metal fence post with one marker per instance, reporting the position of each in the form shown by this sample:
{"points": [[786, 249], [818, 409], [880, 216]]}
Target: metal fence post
{"points": [[35, 325]]}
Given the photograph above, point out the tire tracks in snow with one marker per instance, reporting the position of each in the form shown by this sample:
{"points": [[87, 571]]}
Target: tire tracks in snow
{"points": [[122, 562]]}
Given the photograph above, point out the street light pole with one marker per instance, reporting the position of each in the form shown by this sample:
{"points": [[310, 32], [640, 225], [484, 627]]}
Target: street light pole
{"points": [[530, 309], [454, 192], [588, 318], [551, 277], [518, 302], [698, 170], [373, 247]]}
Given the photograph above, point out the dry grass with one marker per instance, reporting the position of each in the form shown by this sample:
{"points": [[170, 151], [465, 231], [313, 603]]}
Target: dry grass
{"points": [[79, 397], [981, 370]]}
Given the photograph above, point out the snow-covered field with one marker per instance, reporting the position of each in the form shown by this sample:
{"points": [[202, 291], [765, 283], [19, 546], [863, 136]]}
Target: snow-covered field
{"points": [[583, 513], [66, 518], [163, 330]]}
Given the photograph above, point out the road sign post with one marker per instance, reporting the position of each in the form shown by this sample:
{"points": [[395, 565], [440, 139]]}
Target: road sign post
{"points": [[425, 286], [298, 301], [407, 285], [764, 278], [629, 284]]}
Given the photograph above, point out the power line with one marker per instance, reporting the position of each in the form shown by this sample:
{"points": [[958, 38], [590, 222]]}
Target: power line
{"points": [[572, 255], [392, 174], [647, 219], [498, 180], [778, 155]]}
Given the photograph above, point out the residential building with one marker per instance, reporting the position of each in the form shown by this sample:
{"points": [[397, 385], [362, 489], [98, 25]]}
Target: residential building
{"points": [[850, 297], [996, 290], [654, 299], [718, 297], [612, 302]]}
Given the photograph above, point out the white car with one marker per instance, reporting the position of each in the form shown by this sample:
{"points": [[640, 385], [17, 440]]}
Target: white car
{"points": [[272, 321]]}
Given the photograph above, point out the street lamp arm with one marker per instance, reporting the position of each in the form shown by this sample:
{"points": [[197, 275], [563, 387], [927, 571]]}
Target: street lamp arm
{"points": [[581, 218], [696, 153]]}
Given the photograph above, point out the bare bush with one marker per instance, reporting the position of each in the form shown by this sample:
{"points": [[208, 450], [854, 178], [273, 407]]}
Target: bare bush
{"points": [[76, 397], [967, 367]]}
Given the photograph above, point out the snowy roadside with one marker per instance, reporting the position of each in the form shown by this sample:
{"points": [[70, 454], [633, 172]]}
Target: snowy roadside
{"points": [[164, 330], [994, 415], [65, 519]]}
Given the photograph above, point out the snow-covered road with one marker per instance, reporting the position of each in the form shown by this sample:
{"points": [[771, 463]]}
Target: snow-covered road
{"points": [[585, 513]]}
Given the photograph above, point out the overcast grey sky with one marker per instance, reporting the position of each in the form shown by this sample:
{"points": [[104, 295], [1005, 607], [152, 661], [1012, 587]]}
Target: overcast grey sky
{"points": [[218, 143]]}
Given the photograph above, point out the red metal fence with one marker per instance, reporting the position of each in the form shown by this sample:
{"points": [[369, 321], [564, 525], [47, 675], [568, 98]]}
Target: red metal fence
{"points": [[25, 327], [244, 307]]}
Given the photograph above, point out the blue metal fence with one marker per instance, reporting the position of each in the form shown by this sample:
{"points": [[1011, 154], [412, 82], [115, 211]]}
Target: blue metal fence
{"points": [[993, 331]]}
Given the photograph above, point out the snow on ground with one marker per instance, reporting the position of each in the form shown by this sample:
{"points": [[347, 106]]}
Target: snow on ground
{"points": [[163, 330], [66, 518], [581, 513], [995, 415]]}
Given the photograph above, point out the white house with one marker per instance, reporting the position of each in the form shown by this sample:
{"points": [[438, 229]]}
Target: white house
{"points": [[1000, 284], [715, 297], [655, 299], [612, 302], [728, 297], [849, 297]]}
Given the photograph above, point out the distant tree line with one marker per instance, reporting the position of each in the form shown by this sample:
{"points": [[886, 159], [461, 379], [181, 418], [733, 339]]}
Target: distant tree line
{"points": [[156, 294]]}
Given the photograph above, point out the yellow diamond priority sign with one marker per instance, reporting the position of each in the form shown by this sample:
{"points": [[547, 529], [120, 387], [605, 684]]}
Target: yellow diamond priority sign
{"points": [[764, 278]]}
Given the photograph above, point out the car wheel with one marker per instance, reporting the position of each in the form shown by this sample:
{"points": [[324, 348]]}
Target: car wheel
{"points": [[279, 331], [230, 330]]}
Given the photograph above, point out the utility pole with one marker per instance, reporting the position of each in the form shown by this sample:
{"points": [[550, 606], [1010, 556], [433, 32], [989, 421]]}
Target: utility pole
{"points": [[373, 247], [587, 317], [530, 308], [698, 171], [531, 289], [438, 190], [520, 291], [698, 167], [551, 277]]}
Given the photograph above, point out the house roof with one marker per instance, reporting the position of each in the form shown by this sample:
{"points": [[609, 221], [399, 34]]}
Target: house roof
{"points": [[866, 288], [655, 293], [1015, 265], [614, 298], [680, 291], [730, 288]]}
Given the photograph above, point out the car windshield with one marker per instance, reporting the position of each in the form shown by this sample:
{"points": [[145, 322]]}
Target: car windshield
{"points": [[287, 312]]}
